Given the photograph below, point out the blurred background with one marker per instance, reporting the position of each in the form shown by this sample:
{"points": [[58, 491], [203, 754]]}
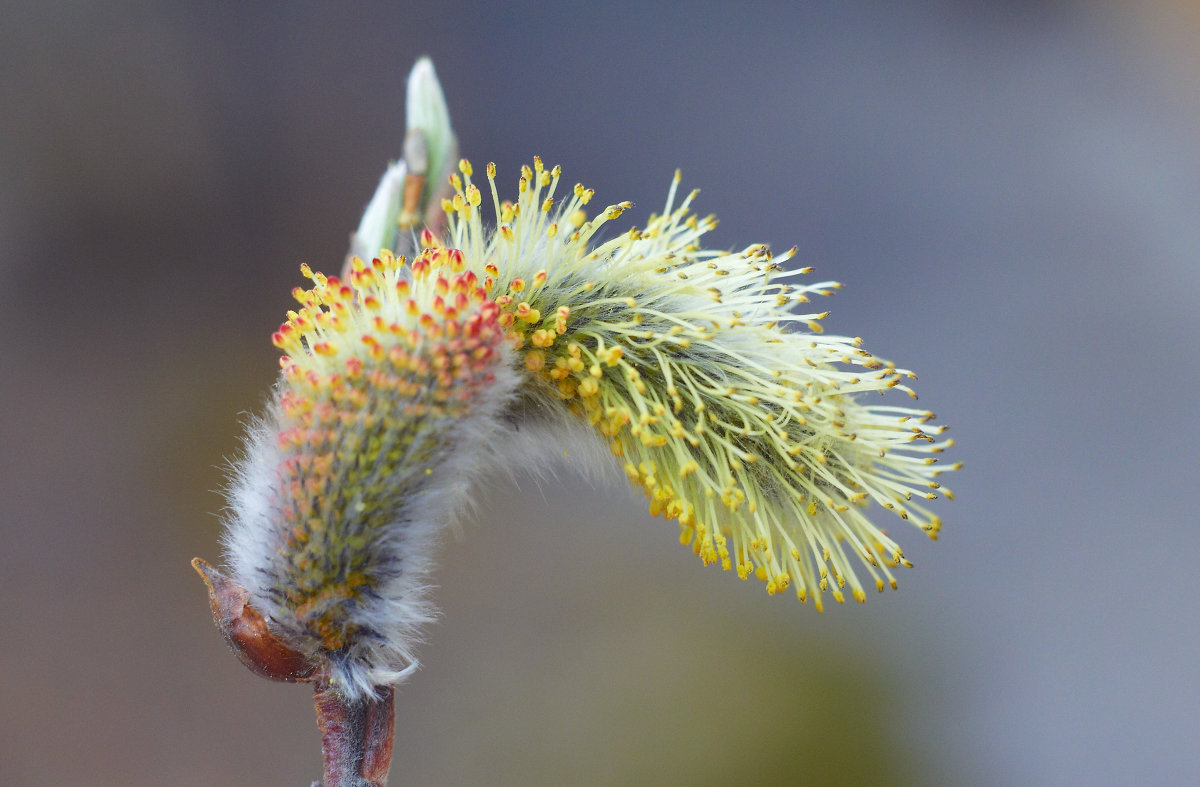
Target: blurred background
{"points": [[1009, 190]]}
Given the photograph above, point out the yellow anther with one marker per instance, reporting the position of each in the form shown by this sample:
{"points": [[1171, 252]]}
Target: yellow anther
{"points": [[542, 338], [535, 360]]}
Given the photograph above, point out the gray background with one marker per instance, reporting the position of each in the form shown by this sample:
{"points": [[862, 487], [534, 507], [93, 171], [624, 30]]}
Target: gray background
{"points": [[1010, 191]]}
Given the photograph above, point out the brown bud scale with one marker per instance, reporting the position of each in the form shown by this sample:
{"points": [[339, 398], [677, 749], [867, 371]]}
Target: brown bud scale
{"points": [[245, 630]]}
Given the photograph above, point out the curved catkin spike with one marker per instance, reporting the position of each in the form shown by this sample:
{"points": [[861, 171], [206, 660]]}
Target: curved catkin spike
{"points": [[705, 373], [713, 381]]}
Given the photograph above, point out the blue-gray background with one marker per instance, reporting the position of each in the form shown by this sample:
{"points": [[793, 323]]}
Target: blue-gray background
{"points": [[1010, 191]]}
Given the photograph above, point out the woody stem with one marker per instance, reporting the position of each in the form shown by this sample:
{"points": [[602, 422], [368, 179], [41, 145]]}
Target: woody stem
{"points": [[356, 737]]}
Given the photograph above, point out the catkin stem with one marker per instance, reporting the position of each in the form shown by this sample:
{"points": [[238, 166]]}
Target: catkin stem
{"points": [[356, 737]]}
